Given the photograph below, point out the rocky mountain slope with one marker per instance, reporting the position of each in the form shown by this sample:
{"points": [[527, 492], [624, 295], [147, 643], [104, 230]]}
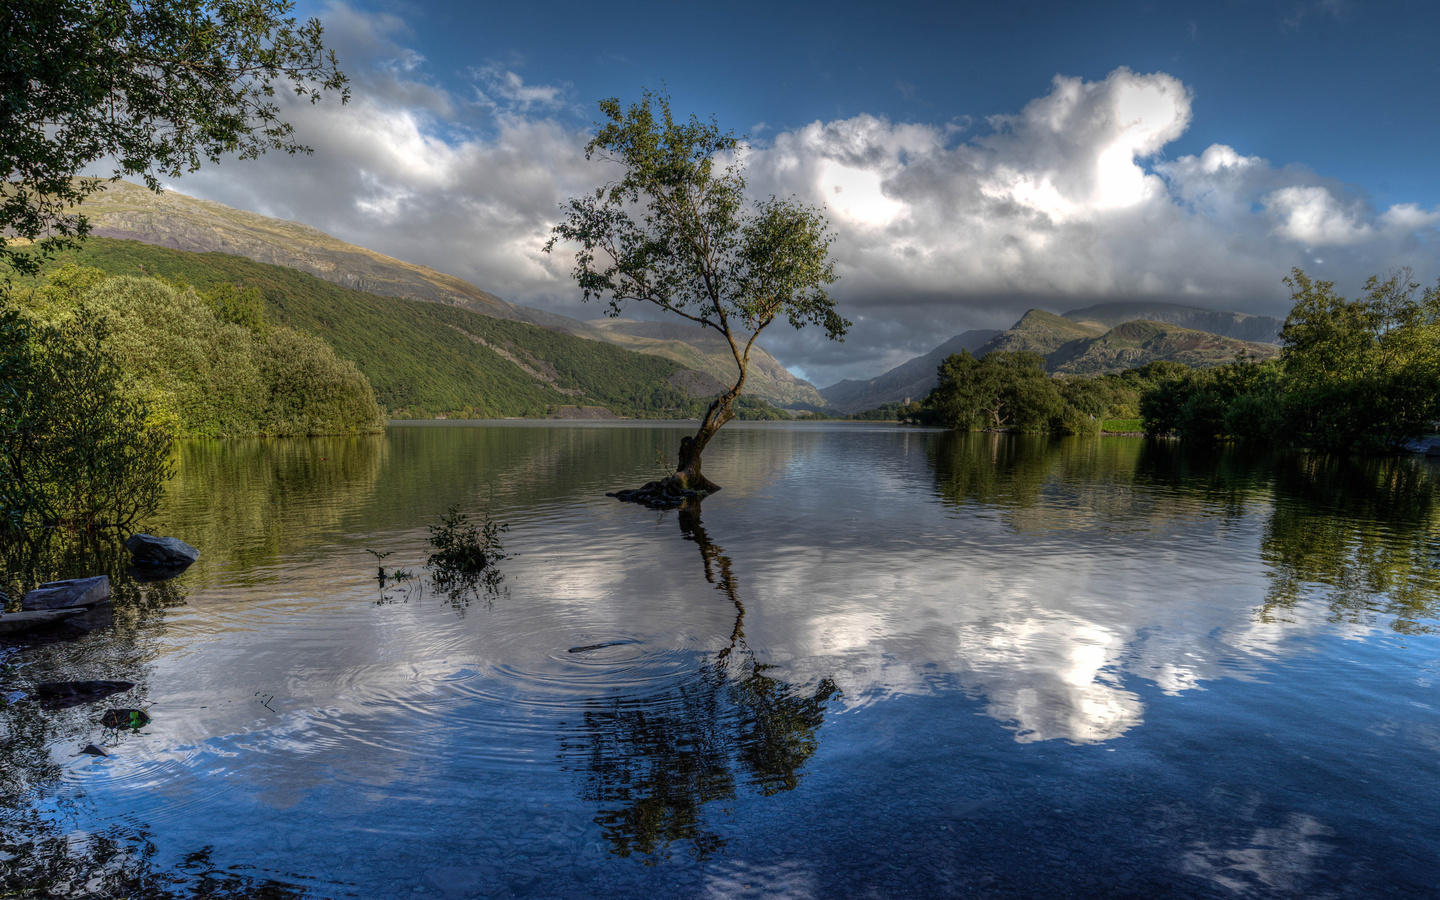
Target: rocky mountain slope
{"points": [[131, 212], [1237, 325]]}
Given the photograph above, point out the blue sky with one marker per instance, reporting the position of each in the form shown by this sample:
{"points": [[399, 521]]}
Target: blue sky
{"points": [[1349, 89], [975, 160]]}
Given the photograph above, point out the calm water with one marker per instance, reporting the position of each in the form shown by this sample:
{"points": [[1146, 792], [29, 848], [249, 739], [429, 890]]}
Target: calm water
{"points": [[880, 663]]}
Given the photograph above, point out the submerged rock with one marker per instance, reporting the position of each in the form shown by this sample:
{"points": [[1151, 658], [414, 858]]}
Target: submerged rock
{"points": [[76, 593], [658, 495], [160, 551], [18, 623], [65, 694], [125, 718]]}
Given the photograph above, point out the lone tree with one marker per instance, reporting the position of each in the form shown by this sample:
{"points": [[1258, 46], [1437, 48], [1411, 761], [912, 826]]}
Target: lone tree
{"points": [[157, 86], [677, 231]]}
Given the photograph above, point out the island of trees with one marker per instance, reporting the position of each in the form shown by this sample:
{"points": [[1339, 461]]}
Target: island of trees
{"points": [[1359, 375]]}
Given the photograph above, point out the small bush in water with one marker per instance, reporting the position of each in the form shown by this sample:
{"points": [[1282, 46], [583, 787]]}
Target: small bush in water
{"points": [[462, 547]]}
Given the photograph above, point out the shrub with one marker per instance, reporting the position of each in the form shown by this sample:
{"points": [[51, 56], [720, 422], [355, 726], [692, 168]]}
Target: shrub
{"points": [[463, 548], [75, 448], [311, 391]]}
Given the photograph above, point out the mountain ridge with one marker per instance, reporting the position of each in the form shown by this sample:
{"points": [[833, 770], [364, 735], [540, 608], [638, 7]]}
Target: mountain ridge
{"points": [[1088, 341], [127, 211]]}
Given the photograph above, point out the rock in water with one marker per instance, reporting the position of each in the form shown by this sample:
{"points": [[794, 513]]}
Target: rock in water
{"points": [[76, 593], [125, 718], [93, 750], [18, 623], [65, 694], [160, 551]]}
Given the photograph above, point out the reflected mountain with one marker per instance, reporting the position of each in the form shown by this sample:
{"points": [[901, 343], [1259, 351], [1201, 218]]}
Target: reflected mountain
{"points": [[653, 763]]}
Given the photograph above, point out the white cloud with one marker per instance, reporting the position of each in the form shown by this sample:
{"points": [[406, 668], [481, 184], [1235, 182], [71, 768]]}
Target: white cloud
{"points": [[1315, 217], [500, 88], [1069, 201]]}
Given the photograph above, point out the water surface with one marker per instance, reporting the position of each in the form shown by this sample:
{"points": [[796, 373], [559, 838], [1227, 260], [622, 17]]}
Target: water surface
{"points": [[881, 662]]}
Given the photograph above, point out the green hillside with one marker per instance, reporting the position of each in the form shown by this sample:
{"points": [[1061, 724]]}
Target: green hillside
{"points": [[1134, 344], [1040, 332], [425, 359], [170, 219]]}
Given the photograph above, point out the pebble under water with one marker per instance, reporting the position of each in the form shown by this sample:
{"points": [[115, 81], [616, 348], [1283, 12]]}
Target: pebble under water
{"points": [[882, 662]]}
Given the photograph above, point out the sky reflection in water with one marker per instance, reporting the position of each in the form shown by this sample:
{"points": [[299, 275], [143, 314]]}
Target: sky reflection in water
{"points": [[879, 661]]}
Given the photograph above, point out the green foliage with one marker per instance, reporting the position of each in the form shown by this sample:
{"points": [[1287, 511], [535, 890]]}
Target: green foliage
{"points": [[1074, 421], [76, 449], [1004, 389], [676, 231], [1241, 399], [885, 412], [209, 377], [244, 307], [1009, 390], [219, 378], [460, 371], [309, 391], [158, 87], [1123, 425], [463, 548], [1352, 375], [1365, 373], [180, 357]]}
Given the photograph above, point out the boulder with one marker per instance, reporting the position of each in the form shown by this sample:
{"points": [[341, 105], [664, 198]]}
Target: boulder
{"points": [[76, 593], [65, 694], [18, 623], [160, 551]]}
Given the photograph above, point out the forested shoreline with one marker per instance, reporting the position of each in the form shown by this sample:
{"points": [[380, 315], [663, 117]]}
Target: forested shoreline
{"points": [[1359, 375]]}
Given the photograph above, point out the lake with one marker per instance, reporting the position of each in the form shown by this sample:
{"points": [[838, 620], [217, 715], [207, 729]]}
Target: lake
{"points": [[881, 662]]}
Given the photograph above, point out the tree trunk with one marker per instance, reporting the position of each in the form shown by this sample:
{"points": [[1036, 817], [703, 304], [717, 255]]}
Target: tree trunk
{"points": [[687, 482], [687, 469]]}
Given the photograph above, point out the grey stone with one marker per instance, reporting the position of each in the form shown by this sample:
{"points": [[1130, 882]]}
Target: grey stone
{"points": [[18, 623], [76, 593], [102, 616], [65, 694], [160, 551]]}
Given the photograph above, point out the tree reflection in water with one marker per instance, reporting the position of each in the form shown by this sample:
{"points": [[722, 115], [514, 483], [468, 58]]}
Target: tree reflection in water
{"points": [[653, 763], [1358, 534]]}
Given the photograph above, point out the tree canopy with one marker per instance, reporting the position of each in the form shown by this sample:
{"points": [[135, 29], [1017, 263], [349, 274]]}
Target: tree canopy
{"points": [[1360, 374], [154, 87], [676, 231]]}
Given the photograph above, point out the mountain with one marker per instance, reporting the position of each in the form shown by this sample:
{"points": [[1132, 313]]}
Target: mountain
{"points": [[706, 350], [1237, 325], [1041, 332], [128, 211], [425, 359], [1081, 342], [913, 379], [1132, 344], [133, 212]]}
